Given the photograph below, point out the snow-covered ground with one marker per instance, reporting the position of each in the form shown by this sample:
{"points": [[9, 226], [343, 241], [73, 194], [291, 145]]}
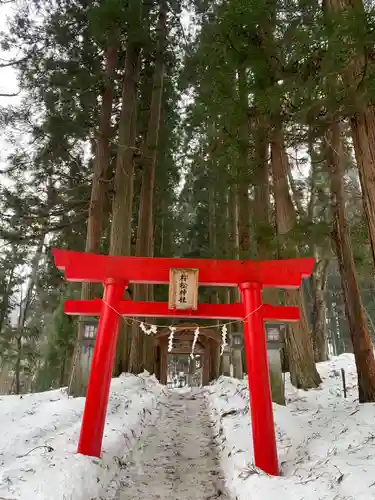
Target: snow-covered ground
{"points": [[39, 435], [178, 460], [326, 444]]}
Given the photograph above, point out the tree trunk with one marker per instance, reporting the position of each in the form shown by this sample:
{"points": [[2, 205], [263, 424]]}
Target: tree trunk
{"points": [[24, 307], [303, 372], [363, 133], [319, 333], [233, 228], [212, 229], [122, 206], [145, 241], [244, 234], [332, 326], [26, 302], [96, 209], [297, 195], [362, 347], [363, 119], [244, 220], [369, 321], [120, 234], [234, 223], [62, 370], [264, 232], [6, 296], [262, 193], [299, 349], [98, 189], [319, 328], [17, 369], [285, 212]]}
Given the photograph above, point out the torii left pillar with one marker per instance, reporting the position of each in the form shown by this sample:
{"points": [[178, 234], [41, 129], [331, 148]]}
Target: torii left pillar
{"points": [[92, 428]]}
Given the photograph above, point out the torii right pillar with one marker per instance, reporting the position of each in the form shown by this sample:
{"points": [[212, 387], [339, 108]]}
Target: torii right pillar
{"points": [[263, 427]]}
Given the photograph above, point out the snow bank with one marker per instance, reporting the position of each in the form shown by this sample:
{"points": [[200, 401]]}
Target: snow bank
{"points": [[39, 436], [325, 443]]}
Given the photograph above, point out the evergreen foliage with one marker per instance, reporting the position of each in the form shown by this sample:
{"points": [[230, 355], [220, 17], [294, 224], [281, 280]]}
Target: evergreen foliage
{"points": [[242, 74]]}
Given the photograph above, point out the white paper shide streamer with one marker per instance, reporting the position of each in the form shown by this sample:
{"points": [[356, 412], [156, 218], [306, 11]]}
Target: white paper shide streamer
{"points": [[172, 329], [224, 333], [196, 334], [148, 331]]}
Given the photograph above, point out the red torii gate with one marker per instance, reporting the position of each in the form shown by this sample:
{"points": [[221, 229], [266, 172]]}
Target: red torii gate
{"points": [[249, 276]]}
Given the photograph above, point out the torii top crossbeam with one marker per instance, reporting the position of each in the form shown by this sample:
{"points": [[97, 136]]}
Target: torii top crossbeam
{"points": [[95, 268]]}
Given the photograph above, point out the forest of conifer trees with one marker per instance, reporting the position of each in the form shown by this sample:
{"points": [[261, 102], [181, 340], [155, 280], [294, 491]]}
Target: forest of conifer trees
{"points": [[224, 129]]}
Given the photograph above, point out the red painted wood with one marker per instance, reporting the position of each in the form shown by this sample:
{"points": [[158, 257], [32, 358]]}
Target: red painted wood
{"points": [[155, 309], [264, 439], [160, 310], [250, 276], [91, 437], [280, 314], [96, 268]]}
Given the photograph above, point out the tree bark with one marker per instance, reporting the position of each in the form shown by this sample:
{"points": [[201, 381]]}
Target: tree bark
{"points": [[363, 133], [244, 234], [262, 193], [264, 232], [5, 305], [362, 347], [322, 251], [285, 212], [297, 197], [234, 223], [26, 302], [96, 208], [98, 189], [120, 235], [142, 356], [62, 369], [122, 205], [17, 368], [319, 328], [363, 117], [299, 349], [212, 227], [25, 305]]}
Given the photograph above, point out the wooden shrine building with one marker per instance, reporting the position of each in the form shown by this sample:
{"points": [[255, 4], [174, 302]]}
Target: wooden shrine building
{"points": [[207, 346]]}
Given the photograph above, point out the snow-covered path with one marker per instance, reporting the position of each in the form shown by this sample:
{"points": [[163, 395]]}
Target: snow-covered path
{"points": [[177, 460]]}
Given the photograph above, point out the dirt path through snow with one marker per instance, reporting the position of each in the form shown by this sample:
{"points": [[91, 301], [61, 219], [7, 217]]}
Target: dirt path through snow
{"points": [[178, 458]]}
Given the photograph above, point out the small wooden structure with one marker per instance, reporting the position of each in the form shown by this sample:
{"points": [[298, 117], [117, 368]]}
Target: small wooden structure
{"points": [[207, 346]]}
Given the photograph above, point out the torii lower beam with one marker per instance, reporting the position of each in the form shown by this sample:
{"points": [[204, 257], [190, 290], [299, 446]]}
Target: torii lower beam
{"points": [[130, 308]]}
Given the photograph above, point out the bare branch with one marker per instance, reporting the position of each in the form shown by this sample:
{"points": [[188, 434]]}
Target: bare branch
{"points": [[7, 64], [10, 95]]}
